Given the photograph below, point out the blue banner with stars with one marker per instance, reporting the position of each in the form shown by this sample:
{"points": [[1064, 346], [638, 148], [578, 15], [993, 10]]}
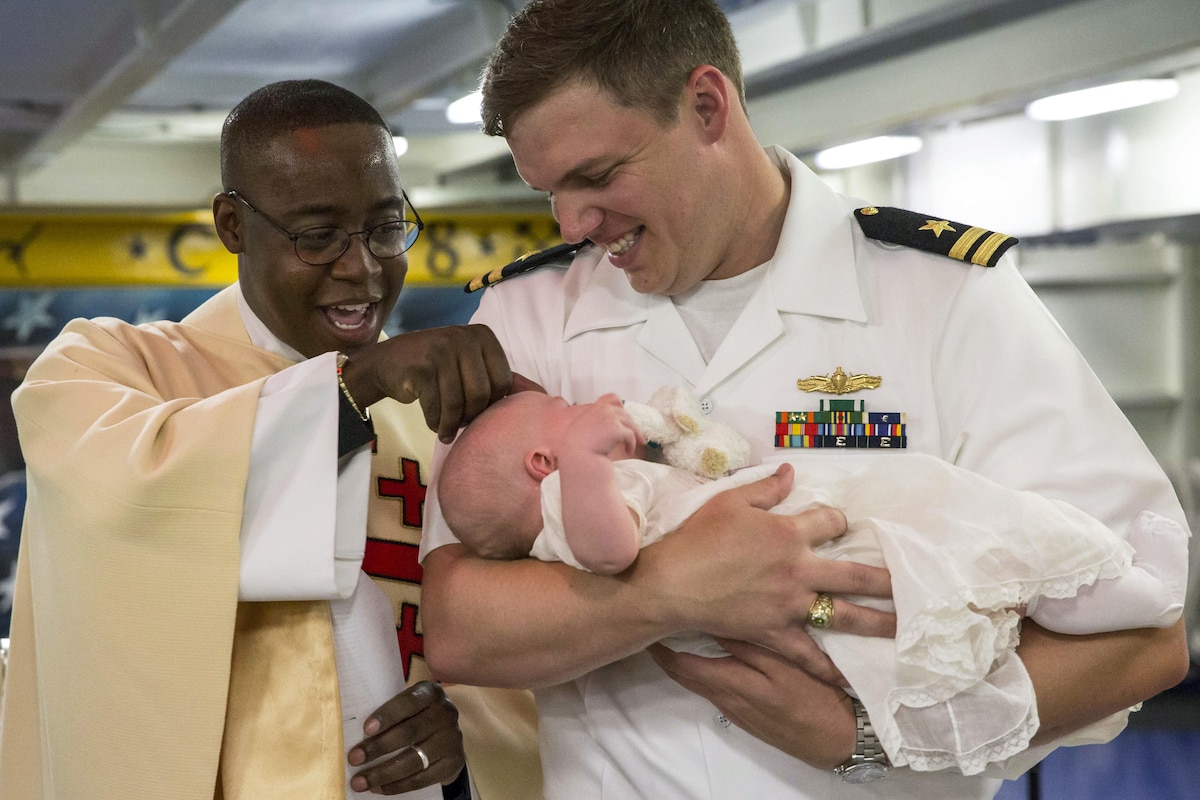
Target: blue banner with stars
{"points": [[12, 506], [32, 317]]}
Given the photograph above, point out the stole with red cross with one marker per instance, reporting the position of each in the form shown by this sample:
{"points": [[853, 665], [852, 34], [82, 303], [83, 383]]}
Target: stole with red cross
{"points": [[393, 542]]}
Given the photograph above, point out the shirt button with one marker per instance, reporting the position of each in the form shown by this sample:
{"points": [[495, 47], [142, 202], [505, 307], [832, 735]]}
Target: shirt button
{"points": [[706, 406], [722, 720]]}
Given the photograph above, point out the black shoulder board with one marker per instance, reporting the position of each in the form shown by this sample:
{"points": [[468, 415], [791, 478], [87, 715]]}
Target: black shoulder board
{"points": [[526, 263], [942, 236]]}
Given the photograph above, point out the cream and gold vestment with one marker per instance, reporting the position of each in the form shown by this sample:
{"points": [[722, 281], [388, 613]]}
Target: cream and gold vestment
{"points": [[134, 670]]}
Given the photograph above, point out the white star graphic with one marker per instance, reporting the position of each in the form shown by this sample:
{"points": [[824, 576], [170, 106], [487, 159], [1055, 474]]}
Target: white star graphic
{"points": [[30, 315], [7, 506], [144, 315], [8, 588]]}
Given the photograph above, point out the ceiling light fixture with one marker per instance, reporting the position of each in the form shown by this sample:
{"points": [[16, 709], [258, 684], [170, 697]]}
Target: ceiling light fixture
{"points": [[401, 143], [867, 151], [465, 110], [1102, 99]]}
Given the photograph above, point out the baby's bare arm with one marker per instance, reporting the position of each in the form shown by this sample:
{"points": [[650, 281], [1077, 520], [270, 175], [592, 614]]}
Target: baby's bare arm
{"points": [[601, 530]]}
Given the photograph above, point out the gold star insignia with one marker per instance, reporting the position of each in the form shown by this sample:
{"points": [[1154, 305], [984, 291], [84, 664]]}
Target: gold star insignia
{"points": [[838, 383], [937, 226]]}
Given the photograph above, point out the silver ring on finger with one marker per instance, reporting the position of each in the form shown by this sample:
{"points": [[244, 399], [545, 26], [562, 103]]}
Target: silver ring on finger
{"points": [[416, 748], [820, 613]]}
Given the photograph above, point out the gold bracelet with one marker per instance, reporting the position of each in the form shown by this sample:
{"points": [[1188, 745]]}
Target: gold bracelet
{"points": [[365, 416]]}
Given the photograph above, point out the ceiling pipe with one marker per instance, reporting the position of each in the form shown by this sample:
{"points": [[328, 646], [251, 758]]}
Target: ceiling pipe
{"points": [[156, 46], [918, 32]]}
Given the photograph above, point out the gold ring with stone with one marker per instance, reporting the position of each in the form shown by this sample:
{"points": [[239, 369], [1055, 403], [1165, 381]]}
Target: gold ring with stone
{"points": [[820, 613]]}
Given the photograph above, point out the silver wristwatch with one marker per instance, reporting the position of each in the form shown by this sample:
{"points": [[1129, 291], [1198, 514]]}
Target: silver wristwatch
{"points": [[869, 762]]}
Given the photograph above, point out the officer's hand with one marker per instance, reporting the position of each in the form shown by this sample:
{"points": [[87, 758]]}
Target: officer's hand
{"points": [[455, 372], [771, 699], [419, 719], [734, 569]]}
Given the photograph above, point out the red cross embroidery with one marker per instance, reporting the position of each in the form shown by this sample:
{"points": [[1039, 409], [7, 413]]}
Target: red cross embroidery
{"points": [[409, 490], [411, 642], [397, 561]]}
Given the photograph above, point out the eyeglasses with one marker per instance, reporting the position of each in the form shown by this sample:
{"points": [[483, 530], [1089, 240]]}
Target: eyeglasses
{"points": [[325, 244]]}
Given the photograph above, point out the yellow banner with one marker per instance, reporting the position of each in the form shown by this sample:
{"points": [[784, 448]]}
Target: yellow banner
{"points": [[453, 249], [183, 249]]}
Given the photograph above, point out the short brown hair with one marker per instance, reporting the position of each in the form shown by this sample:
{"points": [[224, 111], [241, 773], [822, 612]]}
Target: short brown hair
{"points": [[639, 51]]}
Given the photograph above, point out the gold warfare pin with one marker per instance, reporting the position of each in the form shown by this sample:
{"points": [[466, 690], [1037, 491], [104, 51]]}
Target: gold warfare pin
{"points": [[838, 383], [839, 423]]}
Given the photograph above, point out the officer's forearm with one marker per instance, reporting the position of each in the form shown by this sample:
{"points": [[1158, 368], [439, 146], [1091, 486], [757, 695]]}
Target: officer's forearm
{"points": [[1082, 679]]}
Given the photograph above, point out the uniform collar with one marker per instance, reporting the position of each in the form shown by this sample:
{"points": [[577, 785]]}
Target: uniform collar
{"points": [[812, 271], [606, 300]]}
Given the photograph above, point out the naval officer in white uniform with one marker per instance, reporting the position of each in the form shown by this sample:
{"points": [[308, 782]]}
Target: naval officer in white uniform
{"points": [[713, 263]]}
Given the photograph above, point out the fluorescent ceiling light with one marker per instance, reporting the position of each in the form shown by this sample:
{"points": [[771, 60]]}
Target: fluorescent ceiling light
{"points": [[867, 151], [1102, 99], [465, 110], [401, 145]]}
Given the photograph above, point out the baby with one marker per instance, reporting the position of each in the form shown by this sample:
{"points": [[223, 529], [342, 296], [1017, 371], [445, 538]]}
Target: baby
{"points": [[536, 476]]}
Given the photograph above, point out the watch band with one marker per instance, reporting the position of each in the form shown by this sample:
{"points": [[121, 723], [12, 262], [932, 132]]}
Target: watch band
{"points": [[869, 761], [869, 746]]}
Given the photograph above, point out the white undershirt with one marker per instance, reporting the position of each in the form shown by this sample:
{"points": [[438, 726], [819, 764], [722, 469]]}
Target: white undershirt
{"points": [[710, 308], [304, 531]]}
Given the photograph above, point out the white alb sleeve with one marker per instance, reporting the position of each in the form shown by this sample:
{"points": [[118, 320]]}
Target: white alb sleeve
{"points": [[304, 515]]}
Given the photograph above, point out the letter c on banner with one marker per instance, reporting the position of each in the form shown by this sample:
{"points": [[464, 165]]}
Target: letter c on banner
{"points": [[178, 248]]}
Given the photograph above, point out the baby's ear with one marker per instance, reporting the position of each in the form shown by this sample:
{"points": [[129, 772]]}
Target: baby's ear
{"points": [[539, 463]]}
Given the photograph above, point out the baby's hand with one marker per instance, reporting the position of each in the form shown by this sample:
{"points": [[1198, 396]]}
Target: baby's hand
{"points": [[605, 428]]}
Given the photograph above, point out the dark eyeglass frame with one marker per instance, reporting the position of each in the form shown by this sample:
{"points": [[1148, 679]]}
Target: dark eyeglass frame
{"points": [[366, 232]]}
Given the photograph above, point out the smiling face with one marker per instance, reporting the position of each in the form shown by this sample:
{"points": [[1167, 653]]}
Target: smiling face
{"points": [[344, 175], [651, 195]]}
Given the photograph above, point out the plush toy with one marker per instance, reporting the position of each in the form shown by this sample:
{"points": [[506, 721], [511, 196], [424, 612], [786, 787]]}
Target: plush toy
{"points": [[673, 423]]}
